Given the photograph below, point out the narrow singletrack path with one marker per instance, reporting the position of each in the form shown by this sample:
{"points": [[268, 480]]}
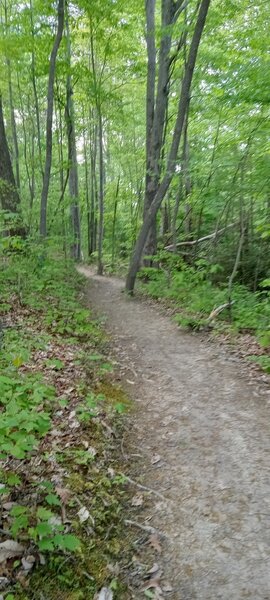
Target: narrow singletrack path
{"points": [[209, 426]]}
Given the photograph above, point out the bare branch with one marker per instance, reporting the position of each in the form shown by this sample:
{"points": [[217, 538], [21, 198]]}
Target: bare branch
{"points": [[203, 239]]}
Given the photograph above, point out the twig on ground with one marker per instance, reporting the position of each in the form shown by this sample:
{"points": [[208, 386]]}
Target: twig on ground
{"points": [[147, 528], [144, 487]]}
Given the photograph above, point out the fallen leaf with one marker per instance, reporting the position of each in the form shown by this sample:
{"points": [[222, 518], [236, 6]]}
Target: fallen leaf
{"points": [[155, 459], [8, 505], [74, 424], [166, 587], [153, 584], [154, 569], [63, 493], [154, 542], [10, 549], [137, 500], [83, 514], [28, 563], [92, 451], [105, 594]]}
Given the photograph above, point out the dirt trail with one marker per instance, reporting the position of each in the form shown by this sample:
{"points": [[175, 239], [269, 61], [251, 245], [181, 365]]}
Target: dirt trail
{"points": [[210, 426]]}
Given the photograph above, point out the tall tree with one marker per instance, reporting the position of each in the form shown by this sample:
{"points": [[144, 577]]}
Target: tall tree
{"points": [[50, 98], [163, 186], [72, 157]]}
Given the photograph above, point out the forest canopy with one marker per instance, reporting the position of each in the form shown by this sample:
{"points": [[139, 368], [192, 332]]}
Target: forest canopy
{"points": [[111, 110]]}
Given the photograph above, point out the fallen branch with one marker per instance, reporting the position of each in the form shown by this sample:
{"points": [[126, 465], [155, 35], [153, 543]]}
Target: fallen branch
{"points": [[211, 236], [144, 487], [218, 310], [147, 528]]}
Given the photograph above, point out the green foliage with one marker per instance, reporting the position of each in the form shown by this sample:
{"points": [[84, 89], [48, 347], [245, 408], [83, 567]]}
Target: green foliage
{"points": [[263, 361], [27, 402], [196, 296]]}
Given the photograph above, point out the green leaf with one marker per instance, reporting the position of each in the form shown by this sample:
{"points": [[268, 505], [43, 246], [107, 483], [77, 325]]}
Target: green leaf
{"points": [[45, 544], [43, 528], [44, 514], [13, 479], [16, 511], [52, 500], [67, 542]]}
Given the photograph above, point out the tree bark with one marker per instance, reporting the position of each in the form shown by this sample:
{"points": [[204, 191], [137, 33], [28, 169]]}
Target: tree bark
{"points": [[172, 156], [72, 157], [157, 107], [34, 84], [9, 197], [15, 152], [101, 194], [50, 98]]}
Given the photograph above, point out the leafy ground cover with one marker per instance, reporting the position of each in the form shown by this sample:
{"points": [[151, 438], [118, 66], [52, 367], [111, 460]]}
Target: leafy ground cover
{"points": [[62, 491], [193, 295]]}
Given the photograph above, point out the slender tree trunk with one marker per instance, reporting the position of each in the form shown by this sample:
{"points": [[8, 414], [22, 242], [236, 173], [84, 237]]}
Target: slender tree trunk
{"points": [[48, 160], [13, 128], [72, 157], [114, 219], [97, 84], [30, 180], [150, 5], [34, 84], [171, 162], [93, 184], [86, 173], [101, 194], [9, 196]]}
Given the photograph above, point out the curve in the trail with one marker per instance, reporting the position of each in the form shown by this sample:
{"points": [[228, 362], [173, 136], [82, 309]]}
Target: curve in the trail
{"points": [[209, 426]]}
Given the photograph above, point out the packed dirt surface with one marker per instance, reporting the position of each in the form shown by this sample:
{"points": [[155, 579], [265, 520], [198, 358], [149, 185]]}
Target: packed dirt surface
{"points": [[202, 428]]}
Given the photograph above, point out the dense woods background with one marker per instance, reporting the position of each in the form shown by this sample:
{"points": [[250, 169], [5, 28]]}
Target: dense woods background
{"points": [[98, 118]]}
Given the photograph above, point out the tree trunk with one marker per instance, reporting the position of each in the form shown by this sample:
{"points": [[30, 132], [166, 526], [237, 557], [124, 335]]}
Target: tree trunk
{"points": [[101, 194], [114, 220], [48, 160], [93, 185], [34, 84], [150, 246], [97, 84], [72, 157], [9, 197], [11, 110], [172, 157]]}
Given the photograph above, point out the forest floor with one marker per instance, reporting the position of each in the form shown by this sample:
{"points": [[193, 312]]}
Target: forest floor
{"points": [[198, 436]]}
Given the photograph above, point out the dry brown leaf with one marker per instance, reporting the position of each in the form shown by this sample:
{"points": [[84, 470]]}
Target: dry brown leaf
{"points": [[10, 549], [28, 563], [83, 514], [153, 584], [137, 500], [167, 587], [154, 569], [154, 542], [63, 493]]}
